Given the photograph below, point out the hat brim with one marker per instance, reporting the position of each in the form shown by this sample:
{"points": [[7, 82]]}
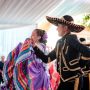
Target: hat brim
{"points": [[57, 21]]}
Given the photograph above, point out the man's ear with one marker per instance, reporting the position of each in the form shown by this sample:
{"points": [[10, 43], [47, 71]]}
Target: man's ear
{"points": [[66, 27]]}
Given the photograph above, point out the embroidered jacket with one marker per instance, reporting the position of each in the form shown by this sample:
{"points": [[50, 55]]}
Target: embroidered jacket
{"points": [[68, 53]]}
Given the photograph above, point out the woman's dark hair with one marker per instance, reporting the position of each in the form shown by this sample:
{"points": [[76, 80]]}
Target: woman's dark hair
{"points": [[42, 34]]}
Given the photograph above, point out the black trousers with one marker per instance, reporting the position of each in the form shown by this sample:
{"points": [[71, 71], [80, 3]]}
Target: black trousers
{"points": [[85, 83], [66, 85]]}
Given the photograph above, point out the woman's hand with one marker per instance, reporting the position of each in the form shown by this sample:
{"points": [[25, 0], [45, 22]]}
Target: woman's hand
{"points": [[32, 42]]}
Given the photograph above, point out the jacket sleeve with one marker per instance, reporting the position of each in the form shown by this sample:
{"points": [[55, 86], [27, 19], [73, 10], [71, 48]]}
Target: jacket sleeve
{"points": [[41, 55], [72, 41]]}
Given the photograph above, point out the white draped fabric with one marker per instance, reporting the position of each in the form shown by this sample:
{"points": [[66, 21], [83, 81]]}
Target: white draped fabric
{"points": [[9, 38]]}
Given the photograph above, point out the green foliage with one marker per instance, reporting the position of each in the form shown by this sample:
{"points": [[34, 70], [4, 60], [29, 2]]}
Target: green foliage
{"points": [[86, 20]]}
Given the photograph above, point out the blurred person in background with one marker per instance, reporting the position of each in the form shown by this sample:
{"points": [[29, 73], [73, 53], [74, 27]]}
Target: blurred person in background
{"points": [[1, 68]]}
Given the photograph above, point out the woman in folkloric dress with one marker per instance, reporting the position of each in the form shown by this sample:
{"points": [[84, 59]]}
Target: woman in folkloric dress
{"points": [[24, 71]]}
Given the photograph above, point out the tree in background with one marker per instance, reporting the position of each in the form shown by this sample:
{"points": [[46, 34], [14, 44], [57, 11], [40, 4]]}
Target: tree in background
{"points": [[86, 21]]}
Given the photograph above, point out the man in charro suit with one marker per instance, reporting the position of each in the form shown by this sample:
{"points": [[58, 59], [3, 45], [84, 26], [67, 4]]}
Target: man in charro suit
{"points": [[68, 51], [85, 82]]}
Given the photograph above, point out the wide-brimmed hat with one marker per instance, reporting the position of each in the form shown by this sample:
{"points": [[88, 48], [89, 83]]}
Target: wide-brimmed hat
{"points": [[66, 20]]}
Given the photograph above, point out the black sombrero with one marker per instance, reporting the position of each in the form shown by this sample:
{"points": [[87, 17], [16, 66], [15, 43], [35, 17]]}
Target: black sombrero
{"points": [[66, 20]]}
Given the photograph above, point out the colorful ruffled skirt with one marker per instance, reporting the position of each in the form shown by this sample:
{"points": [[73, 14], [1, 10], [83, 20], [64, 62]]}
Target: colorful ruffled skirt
{"points": [[23, 71]]}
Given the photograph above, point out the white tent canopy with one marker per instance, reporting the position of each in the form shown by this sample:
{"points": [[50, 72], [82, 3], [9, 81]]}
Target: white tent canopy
{"points": [[34, 11]]}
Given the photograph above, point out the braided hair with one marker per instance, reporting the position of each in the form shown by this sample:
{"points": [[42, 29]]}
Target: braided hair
{"points": [[43, 35]]}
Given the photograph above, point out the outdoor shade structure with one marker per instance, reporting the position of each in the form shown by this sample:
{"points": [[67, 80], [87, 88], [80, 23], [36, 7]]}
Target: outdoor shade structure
{"points": [[34, 11]]}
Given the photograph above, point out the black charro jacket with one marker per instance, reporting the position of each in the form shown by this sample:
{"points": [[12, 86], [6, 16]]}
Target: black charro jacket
{"points": [[68, 52]]}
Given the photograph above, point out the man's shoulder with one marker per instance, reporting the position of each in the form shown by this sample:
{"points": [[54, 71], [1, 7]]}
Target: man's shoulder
{"points": [[71, 36]]}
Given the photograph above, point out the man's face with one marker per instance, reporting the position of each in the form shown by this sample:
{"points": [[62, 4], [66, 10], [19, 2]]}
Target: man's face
{"points": [[61, 30]]}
